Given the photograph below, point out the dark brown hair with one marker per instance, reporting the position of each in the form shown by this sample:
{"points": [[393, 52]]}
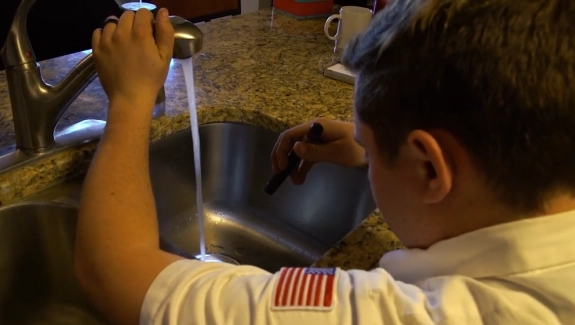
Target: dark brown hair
{"points": [[498, 75]]}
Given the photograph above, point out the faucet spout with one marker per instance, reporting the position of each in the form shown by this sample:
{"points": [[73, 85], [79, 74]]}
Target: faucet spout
{"points": [[188, 38]]}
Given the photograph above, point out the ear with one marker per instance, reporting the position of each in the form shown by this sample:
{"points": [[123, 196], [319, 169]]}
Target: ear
{"points": [[432, 165]]}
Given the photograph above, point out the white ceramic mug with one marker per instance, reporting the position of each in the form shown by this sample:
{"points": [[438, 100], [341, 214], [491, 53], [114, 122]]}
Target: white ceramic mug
{"points": [[352, 20]]}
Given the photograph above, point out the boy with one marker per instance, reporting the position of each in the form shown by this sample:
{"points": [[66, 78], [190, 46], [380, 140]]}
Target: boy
{"points": [[464, 113]]}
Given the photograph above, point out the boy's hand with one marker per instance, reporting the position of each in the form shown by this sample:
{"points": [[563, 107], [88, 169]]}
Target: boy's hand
{"points": [[131, 64], [339, 147]]}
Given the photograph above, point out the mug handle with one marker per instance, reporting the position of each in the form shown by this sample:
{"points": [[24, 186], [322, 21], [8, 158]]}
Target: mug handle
{"points": [[326, 26]]}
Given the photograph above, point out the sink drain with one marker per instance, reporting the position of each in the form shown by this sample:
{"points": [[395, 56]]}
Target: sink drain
{"points": [[218, 258]]}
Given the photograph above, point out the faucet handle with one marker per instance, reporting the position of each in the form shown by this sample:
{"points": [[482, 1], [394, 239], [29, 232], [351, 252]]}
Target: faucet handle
{"points": [[188, 38], [17, 49]]}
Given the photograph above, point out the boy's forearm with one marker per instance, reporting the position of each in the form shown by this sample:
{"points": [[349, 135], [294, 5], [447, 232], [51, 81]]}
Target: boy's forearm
{"points": [[117, 213], [117, 247], [118, 208]]}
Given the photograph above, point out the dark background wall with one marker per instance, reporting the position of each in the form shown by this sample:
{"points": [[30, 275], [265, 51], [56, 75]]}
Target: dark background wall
{"points": [[361, 3]]}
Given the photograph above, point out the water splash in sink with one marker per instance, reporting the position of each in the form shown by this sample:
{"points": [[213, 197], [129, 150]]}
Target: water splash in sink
{"points": [[188, 68]]}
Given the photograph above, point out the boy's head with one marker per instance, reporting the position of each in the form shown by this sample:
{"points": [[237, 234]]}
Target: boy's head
{"points": [[467, 111]]}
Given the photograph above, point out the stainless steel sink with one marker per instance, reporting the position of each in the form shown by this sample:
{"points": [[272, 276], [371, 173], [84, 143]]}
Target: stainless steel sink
{"points": [[37, 281], [293, 227]]}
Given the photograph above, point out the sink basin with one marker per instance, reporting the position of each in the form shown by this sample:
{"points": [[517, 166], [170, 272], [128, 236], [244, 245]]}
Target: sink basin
{"points": [[293, 227], [37, 281]]}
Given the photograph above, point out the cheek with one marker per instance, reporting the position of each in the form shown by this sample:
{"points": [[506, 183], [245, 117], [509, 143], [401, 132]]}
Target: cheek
{"points": [[389, 191], [381, 185]]}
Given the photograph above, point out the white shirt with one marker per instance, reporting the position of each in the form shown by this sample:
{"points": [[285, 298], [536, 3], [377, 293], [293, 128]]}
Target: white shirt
{"points": [[521, 273]]}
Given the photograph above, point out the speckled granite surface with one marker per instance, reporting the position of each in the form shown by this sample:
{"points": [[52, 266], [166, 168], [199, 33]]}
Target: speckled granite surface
{"points": [[261, 68]]}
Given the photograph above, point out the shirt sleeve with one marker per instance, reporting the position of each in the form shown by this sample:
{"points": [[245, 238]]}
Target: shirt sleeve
{"points": [[201, 293]]}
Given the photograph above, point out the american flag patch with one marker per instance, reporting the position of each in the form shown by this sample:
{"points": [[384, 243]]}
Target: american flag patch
{"points": [[305, 288]]}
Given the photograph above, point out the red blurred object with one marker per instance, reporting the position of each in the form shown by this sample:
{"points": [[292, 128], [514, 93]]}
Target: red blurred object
{"points": [[307, 9], [378, 5]]}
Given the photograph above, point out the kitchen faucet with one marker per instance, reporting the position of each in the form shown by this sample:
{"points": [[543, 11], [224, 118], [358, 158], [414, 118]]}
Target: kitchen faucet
{"points": [[38, 106]]}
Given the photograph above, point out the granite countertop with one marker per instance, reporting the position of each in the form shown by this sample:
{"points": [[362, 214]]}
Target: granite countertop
{"points": [[261, 68]]}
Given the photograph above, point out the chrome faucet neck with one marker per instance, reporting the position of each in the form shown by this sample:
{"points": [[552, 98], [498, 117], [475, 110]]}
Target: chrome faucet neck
{"points": [[37, 106]]}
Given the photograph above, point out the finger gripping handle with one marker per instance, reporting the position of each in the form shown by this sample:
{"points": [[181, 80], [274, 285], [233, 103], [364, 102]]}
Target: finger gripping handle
{"points": [[313, 135]]}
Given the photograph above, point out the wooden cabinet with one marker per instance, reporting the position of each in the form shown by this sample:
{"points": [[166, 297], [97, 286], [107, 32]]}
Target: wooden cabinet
{"points": [[191, 9]]}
